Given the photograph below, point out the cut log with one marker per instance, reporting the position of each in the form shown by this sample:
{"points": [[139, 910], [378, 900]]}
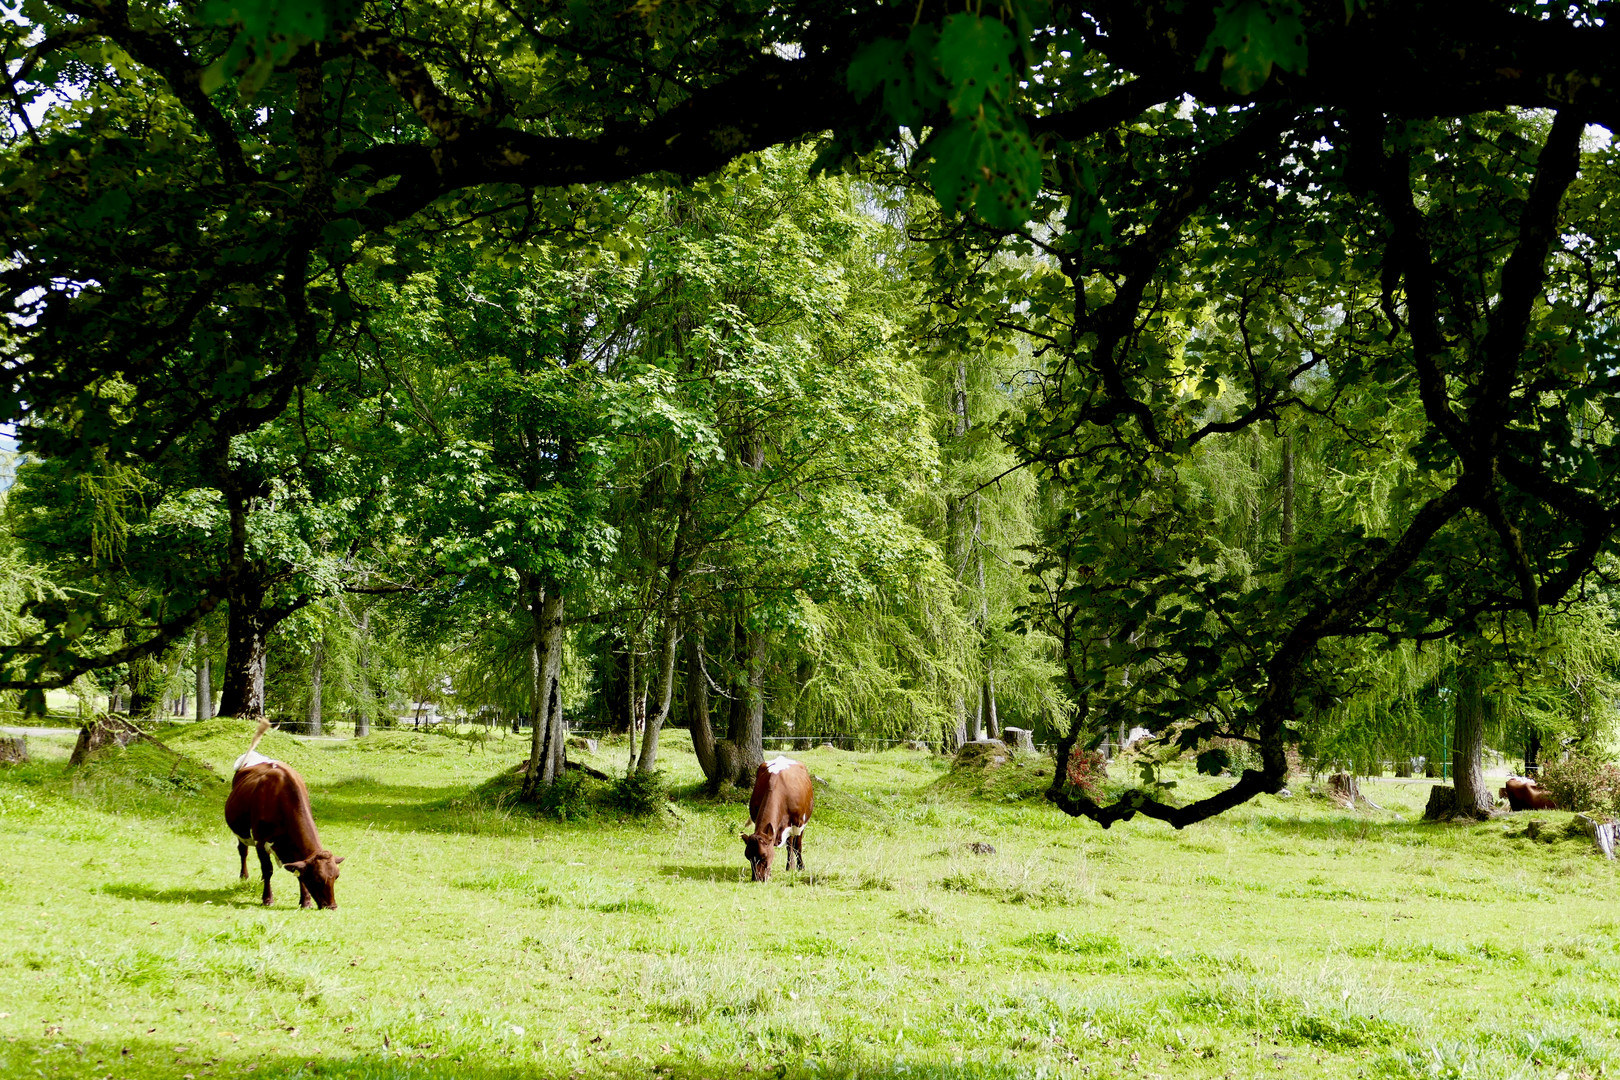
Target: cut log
{"points": [[13, 749], [1020, 739]]}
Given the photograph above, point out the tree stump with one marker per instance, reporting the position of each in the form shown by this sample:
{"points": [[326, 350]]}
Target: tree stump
{"points": [[1601, 832], [1020, 739], [13, 749], [1343, 787], [1442, 803], [106, 731]]}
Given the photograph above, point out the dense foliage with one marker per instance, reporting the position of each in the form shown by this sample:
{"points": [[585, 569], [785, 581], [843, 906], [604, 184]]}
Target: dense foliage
{"points": [[1241, 371]]}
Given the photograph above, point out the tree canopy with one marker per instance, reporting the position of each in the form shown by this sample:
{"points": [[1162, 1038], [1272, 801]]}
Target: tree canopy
{"points": [[1299, 314]]}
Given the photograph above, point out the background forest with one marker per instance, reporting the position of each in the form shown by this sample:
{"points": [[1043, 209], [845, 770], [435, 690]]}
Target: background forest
{"points": [[1037, 367], [726, 463]]}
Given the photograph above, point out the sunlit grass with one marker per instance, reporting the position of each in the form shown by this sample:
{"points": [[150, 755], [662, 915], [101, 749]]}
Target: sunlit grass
{"points": [[474, 940]]}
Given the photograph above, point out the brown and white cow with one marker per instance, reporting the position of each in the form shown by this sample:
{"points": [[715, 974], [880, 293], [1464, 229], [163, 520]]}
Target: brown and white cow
{"points": [[777, 812], [269, 807], [1524, 794]]}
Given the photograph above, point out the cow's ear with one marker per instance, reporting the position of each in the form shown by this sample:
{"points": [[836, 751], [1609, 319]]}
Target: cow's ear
{"points": [[295, 867]]}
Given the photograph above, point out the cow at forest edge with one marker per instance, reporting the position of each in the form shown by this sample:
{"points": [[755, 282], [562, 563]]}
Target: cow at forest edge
{"points": [[1525, 794], [268, 807], [777, 813]]}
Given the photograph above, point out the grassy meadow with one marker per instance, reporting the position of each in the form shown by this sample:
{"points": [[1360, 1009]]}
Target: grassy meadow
{"points": [[473, 940]]}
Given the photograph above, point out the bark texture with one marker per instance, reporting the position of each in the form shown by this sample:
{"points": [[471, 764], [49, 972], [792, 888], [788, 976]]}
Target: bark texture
{"points": [[1468, 742]]}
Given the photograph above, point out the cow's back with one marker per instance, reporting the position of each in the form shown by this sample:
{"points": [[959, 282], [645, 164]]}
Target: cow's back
{"points": [[787, 790], [268, 803], [1525, 794]]}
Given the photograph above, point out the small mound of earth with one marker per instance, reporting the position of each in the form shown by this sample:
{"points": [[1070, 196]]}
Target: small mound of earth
{"points": [[117, 751], [984, 754]]}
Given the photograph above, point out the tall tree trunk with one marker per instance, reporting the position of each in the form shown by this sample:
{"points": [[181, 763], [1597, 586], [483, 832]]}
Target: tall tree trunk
{"points": [[638, 707], [666, 696], [697, 708], [961, 722], [748, 722], [557, 748], [362, 662], [669, 608], [545, 606], [317, 660], [205, 678], [992, 720], [1468, 743], [1287, 482], [552, 750]]}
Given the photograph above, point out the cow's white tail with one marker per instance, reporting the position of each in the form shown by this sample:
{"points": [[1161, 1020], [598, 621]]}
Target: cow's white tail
{"points": [[264, 726]]}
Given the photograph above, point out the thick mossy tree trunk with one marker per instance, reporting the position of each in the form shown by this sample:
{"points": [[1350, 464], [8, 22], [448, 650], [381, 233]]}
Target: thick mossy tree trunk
{"points": [[739, 755], [1468, 744], [246, 648], [146, 683]]}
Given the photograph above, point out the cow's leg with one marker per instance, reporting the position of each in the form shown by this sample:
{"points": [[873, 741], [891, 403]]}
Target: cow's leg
{"points": [[241, 849], [268, 870], [796, 847], [304, 899]]}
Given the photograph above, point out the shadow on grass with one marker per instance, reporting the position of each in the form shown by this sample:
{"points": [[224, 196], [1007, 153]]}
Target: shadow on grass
{"points": [[63, 1057], [1346, 827], [242, 894], [357, 801]]}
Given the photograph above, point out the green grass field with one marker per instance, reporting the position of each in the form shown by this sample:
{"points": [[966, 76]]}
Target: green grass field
{"points": [[471, 940]]}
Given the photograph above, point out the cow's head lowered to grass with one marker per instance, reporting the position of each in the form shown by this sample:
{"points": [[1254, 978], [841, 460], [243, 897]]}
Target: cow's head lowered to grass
{"points": [[318, 874], [760, 848]]}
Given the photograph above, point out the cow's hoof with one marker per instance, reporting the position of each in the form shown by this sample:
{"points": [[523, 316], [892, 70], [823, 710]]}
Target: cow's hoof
{"points": [[269, 900], [306, 904]]}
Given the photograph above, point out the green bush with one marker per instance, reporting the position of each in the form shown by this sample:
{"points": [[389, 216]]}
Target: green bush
{"points": [[566, 799], [1580, 783], [639, 794]]}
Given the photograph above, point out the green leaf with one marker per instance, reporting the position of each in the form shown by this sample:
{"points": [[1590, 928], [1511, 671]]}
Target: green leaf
{"points": [[1255, 35], [974, 56], [988, 164]]}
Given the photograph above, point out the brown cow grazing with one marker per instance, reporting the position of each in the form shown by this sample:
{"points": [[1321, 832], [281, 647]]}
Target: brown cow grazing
{"points": [[269, 808], [777, 811], [1523, 794]]}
